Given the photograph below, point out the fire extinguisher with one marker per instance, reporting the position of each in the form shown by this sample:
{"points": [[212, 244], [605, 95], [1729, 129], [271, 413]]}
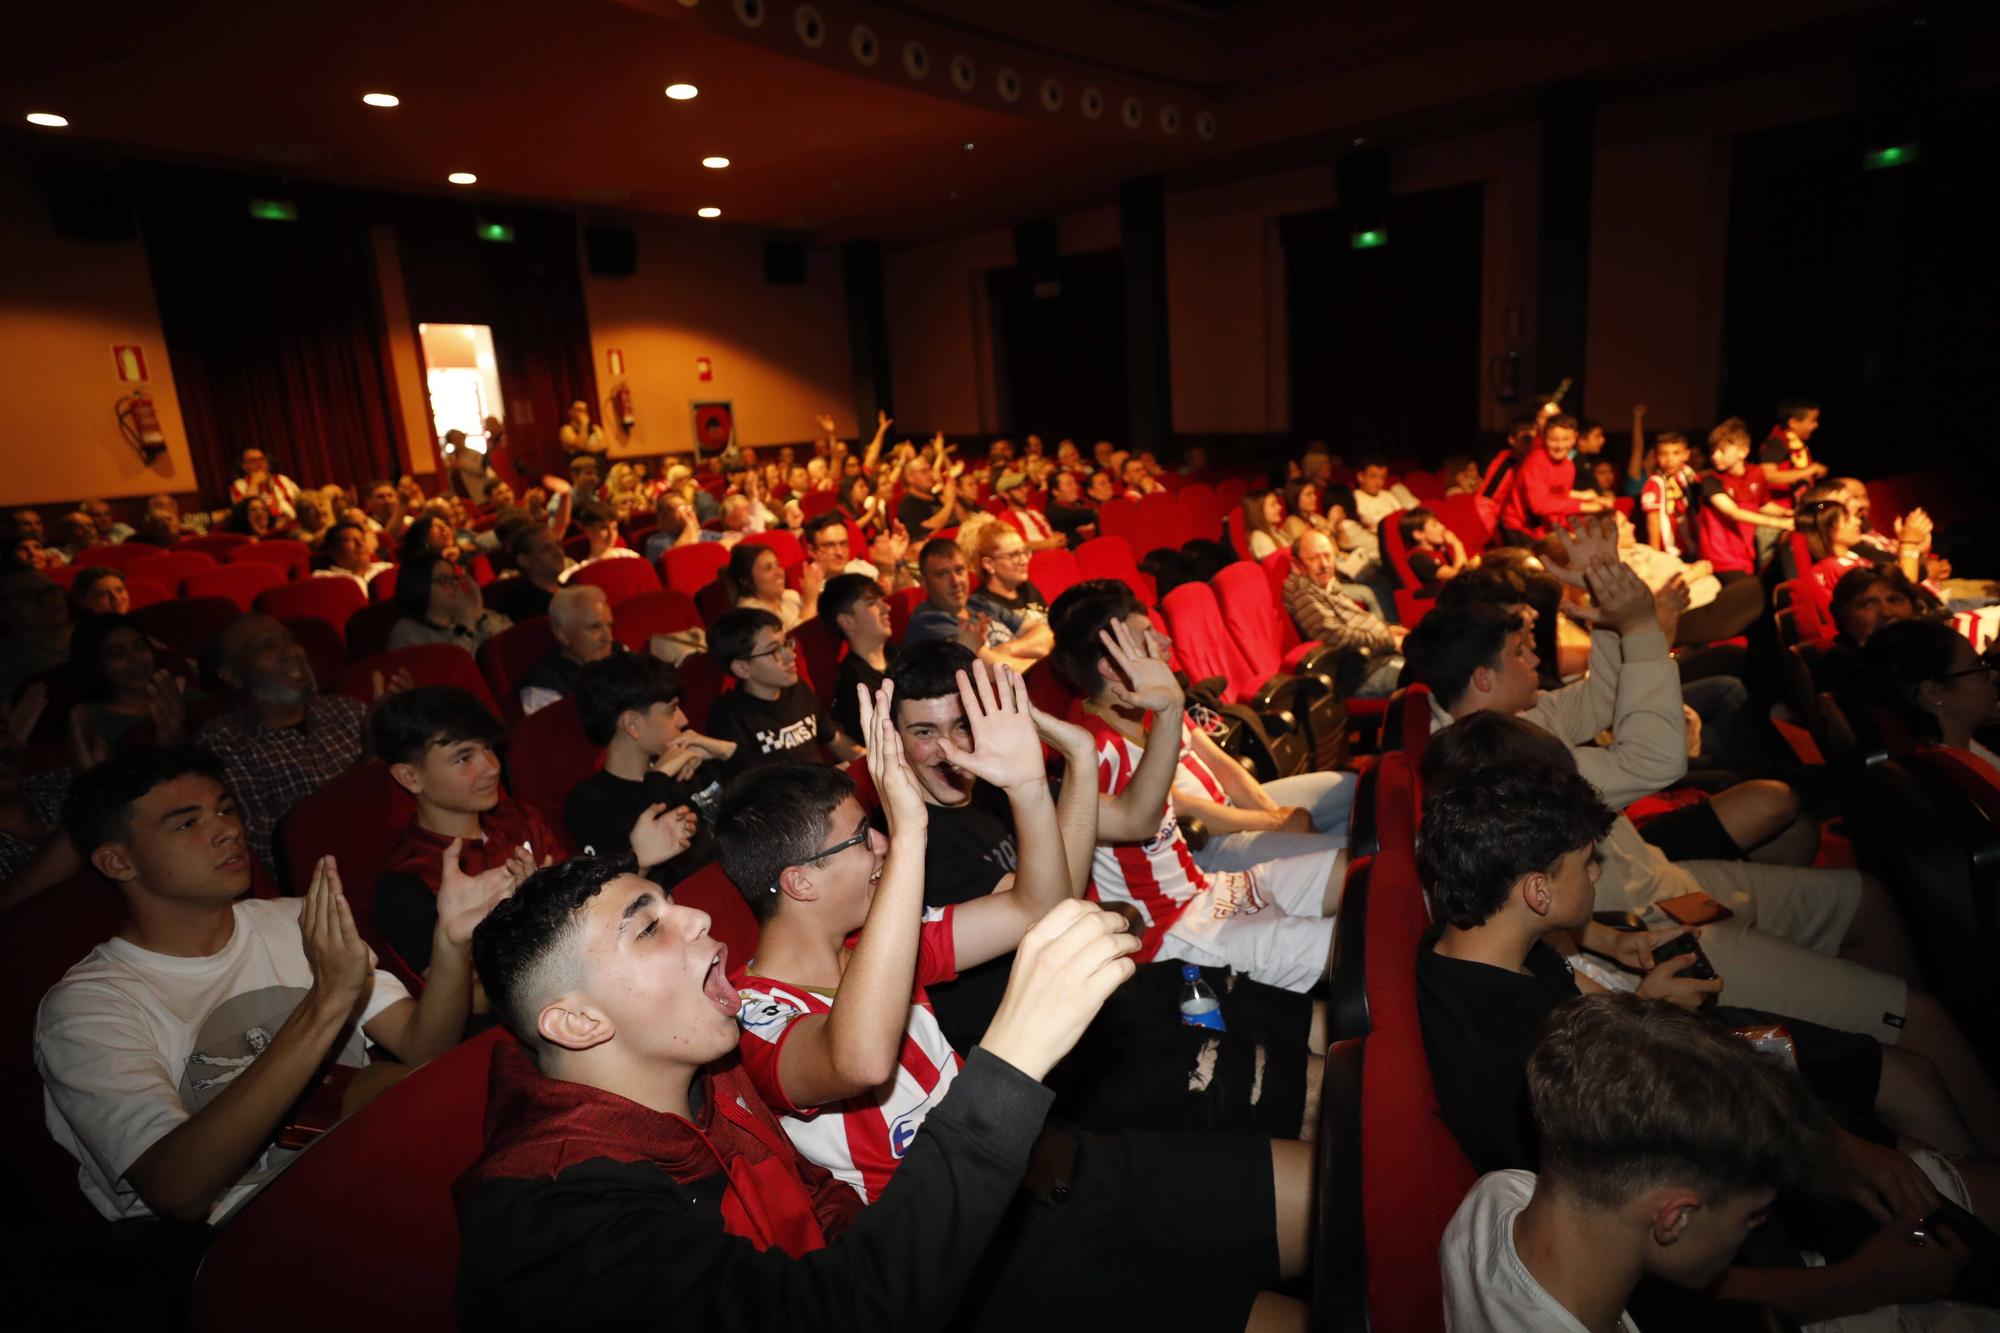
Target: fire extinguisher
{"points": [[621, 399], [139, 423]]}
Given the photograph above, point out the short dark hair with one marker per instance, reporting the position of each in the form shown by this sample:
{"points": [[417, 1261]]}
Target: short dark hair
{"points": [[1077, 618], [740, 572], [814, 526], [1563, 422], [512, 949], [590, 513], [1898, 659], [84, 580], [404, 726], [1450, 643], [518, 544], [86, 647], [774, 817], [98, 808], [1669, 437], [734, 634], [332, 535], [1791, 409], [413, 581], [937, 546], [1413, 520], [842, 592], [1629, 1094], [1491, 824], [930, 670], [1372, 458], [620, 683], [1859, 580]]}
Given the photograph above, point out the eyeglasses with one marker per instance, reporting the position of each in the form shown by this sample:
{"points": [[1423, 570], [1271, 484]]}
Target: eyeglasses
{"points": [[1021, 554], [784, 645], [1983, 669], [837, 848]]}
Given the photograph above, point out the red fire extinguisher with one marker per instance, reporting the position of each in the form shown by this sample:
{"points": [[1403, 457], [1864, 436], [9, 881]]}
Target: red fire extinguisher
{"points": [[621, 399], [139, 423]]}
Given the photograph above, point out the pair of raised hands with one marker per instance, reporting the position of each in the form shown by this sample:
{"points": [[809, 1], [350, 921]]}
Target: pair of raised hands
{"points": [[341, 960], [1006, 740], [1620, 599]]}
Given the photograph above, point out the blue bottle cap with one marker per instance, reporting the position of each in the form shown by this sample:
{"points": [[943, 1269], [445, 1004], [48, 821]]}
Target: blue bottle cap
{"points": [[1190, 972]]}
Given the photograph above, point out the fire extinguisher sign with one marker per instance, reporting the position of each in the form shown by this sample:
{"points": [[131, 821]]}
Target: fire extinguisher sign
{"points": [[130, 359], [614, 361]]}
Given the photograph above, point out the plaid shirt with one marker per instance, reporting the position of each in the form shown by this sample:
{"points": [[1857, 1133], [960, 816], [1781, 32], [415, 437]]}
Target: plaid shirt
{"points": [[271, 771], [1332, 617]]}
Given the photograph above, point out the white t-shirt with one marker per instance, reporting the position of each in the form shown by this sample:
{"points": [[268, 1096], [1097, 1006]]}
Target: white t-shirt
{"points": [[1372, 509], [131, 1043], [1487, 1289]]}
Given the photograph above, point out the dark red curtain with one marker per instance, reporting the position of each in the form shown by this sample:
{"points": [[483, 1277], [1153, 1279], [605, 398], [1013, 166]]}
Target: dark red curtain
{"points": [[272, 327]]}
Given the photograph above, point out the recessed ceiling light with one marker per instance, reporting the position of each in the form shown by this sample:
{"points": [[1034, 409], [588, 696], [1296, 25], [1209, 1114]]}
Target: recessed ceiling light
{"points": [[682, 92], [48, 120], [462, 178], [716, 163], [708, 212], [969, 147], [381, 99]]}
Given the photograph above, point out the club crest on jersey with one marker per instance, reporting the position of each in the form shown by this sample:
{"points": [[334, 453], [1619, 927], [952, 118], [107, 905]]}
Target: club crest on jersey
{"points": [[761, 1011], [903, 1133]]}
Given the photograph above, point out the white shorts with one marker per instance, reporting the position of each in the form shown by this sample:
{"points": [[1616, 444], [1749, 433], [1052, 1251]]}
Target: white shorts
{"points": [[1264, 923]]}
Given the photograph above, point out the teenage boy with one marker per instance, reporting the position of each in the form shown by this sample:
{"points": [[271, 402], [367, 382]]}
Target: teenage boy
{"points": [[630, 1165], [1273, 923], [177, 1052], [854, 1065], [1506, 856], [1374, 498], [1739, 521], [1786, 454], [653, 762], [1664, 1143], [1667, 497], [439, 743], [1544, 487], [1434, 552], [580, 622], [855, 606], [772, 716], [1069, 514]]}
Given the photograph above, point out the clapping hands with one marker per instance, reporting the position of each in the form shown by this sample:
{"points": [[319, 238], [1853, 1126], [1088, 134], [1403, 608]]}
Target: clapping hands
{"points": [[1137, 672], [1006, 748], [888, 767]]}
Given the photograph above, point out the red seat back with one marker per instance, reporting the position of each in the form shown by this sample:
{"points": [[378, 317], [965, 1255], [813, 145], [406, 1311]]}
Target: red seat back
{"points": [[902, 603], [427, 663], [815, 503], [689, 569], [169, 567], [332, 600], [820, 649], [1202, 642], [368, 629], [40, 939], [1254, 619], [1424, 485], [1230, 492], [1413, 1173], [638, 619], [382, 587], [729, 917], [239, 583], [324, 650], [294, 558], [146, 592], [187, 624], [701, 682], [1054, 572], [1048, 691], [1162, 522], [1461, 514], [790, 554], [1120, 519], [547, 754], [381, 1180], [356, 818], [621, 579], [1232, 532], [213, 543], [113, 557], [1203, 509], [1111, 558], [508, 656]]}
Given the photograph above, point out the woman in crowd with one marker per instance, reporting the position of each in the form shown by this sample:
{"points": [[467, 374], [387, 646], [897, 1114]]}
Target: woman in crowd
{"points": [[757, 577], [1938, 685], [437, 602], [1264, 522], [120, 684]]}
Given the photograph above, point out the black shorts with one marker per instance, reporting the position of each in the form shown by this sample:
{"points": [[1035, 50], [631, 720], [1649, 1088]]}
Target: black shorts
{"points": [[1153, 1231], [1692, 833]]}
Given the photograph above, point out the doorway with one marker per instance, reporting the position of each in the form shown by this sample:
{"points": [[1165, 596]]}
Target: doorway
{"points": [[462, 382]]}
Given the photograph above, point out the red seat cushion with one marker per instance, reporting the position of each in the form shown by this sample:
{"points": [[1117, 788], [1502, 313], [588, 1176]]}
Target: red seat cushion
{"points": [[333, 600], [239, 583], [358, 819], [547, 754], [621, 580]]}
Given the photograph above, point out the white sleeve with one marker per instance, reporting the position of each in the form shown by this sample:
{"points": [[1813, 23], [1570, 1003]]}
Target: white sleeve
{"points": [[106, 1078], [382, 993], [534, 698]]}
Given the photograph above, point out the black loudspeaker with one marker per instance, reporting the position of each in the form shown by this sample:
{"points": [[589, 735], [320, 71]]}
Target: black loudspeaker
{"points": [[88, 204], [613, 252], [1035, 252], [785, 263], [1363, 179]]}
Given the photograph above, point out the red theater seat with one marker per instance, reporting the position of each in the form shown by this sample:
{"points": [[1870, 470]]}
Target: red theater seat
{"points": [[621, 580], [292, 557], [368, 629], [213, 544], [169, 567], [1111, 558], [240, 583], [381, 1181], [1054, 572], [820, 649], [113, 557], [357, 818], [333, 600], [427, 663], [508, 656], [146, 592], [790, 554], [187, 624], [729, 917], [547, 754], [689, 569], [637, 620], [324, 650]]}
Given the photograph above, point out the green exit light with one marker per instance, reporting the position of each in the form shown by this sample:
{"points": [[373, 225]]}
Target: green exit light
{"points": [[274, 210], [494, 231], [1900, 155], [1372, 239]]}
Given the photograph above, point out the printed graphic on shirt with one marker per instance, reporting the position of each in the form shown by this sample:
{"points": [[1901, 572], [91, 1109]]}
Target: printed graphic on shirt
{"points": [[231, 1038], [802, 732], [1004, 855]]}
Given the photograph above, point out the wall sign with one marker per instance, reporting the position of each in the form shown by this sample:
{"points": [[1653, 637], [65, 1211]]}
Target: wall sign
{"points": [[714, 427], [614, 360], [130, 358], [704, 369]]}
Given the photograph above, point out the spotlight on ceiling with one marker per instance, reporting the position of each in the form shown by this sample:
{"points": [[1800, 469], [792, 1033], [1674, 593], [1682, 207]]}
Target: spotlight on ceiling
{"points": [[708, 212], [715, 163], [682, 92], [462, 178], [48, 120], [381, 99]]}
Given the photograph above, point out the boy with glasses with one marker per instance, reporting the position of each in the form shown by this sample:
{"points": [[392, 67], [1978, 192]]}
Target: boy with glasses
{"points": [[771, 716]]}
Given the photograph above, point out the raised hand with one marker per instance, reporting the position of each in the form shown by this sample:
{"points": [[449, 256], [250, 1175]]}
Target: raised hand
{"points": [[882, 423], [1006, 750], [1067, 965], [167, 707], [826, 428], [1670, 600], [902, 798], [26, 711], [660, 834], [87, 749], [1582, 541], [464, 900], [1624, 602], [1137, 673], [341, 963], [1064, 736]]}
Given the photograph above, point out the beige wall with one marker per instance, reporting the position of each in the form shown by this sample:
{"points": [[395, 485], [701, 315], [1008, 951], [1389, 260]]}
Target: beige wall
{"points": [[63, 305], [779, 354]]}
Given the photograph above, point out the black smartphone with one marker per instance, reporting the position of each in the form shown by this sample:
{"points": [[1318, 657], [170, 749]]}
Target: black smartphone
{"points": [[1680, 944]]}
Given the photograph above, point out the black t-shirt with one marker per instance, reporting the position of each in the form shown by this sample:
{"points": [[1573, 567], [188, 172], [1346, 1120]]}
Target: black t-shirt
{"points": [[1479, 1024], [516, 598], [857, 670], [1027, 599], [556, 672], [971, 848], [1425, 566], [1067, 520], [601, 810], [913, 511], [792, 728]]}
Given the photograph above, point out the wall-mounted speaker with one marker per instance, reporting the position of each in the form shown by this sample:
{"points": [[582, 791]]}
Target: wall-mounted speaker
{"points": [[612, 252], [785, 263]]}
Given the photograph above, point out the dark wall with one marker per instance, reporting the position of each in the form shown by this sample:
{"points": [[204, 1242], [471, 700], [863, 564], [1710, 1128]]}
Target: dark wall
{"points": [[1060, 360]]}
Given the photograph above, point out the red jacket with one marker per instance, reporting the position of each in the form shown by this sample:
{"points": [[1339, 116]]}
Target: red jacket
{"points": [[1540, 492]]}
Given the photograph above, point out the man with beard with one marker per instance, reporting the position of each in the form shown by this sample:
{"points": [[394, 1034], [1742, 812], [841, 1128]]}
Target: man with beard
{"points": [[286, 738]]}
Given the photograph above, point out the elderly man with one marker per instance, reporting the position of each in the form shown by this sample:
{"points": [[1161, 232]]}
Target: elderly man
{"points": [[110, 532], [1324, 611], [285, 739], [926, 506], [945, 613], [580, 619]]}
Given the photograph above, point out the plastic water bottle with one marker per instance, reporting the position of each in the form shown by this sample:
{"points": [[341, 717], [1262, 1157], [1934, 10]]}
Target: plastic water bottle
{"points": [[1199, 1007]]}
